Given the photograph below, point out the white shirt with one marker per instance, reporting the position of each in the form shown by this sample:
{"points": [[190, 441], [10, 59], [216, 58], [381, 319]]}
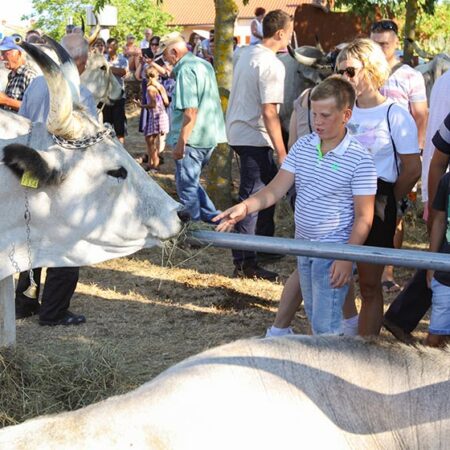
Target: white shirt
{"points": [[144, 43], [258, 79], [370, 127]]}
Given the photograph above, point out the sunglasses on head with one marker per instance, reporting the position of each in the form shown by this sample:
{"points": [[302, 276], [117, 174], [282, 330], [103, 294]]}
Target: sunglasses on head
{"points": [[384, 25], [350, 71]]}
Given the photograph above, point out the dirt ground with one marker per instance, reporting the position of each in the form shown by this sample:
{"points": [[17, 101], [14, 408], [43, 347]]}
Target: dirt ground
{"points": [[155, 316]]}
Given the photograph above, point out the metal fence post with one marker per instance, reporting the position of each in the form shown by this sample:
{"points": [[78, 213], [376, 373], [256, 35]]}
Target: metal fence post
{"points": [[7, 313]]}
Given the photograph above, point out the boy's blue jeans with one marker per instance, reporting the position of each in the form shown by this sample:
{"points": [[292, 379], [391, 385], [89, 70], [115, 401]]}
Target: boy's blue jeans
{"points": [[323, 304], [192, 196]]}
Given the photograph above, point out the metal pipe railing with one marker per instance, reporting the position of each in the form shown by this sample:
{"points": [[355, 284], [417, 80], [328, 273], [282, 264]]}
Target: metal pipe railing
{"points": [[359, 253]]}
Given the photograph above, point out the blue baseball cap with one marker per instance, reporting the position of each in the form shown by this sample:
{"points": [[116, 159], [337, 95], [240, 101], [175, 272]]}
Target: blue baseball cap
{"points": [[9, 43]]}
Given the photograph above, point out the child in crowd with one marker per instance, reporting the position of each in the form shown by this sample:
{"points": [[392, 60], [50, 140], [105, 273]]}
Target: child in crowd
{"points": [[438, 281], [155, 118], [335, 180]]}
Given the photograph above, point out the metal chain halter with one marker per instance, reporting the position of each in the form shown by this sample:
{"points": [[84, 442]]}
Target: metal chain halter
{"points": [[31, 291], [85, 142]]}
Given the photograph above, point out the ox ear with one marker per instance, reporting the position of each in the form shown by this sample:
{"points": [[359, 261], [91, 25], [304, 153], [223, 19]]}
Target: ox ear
{"points": [[20, 158]]}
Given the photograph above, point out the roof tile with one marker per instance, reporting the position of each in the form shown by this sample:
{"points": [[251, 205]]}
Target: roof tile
{"points": [[202, 12]]}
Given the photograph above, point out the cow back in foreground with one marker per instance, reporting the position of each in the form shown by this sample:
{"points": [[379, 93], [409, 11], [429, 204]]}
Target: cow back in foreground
{"points": [[295, 392]]}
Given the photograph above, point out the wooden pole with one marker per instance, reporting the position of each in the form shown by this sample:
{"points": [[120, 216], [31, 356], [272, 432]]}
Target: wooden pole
{"points": [[7, 313]]}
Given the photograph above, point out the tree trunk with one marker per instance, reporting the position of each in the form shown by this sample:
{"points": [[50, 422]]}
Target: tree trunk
{"points": [[412, 8], [219, 173]]}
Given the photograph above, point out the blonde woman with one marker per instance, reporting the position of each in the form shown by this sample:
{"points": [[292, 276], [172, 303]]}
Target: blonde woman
{"points": [[388, 131]]}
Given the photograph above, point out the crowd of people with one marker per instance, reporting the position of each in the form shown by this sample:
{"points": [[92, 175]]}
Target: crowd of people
{"points": [[353, 156]]}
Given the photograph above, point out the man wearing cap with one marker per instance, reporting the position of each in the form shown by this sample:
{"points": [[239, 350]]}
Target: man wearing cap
{"points": [[197, 123], [20, 76]]}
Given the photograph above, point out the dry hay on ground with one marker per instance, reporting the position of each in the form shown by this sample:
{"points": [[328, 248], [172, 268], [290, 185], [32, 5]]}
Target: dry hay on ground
{"points": [[143, 318]]}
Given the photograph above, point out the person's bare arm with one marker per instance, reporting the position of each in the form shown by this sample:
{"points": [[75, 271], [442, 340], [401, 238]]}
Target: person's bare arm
{"points": [[410, 171], [161, 70], [438, 229], [9, 102], [163, 92], [419, 111], [292, 129], [189, 118], [438, 166], [273, 127], [254, 30], [138, 71], [119, 71], [364, 205], [264, 198]]}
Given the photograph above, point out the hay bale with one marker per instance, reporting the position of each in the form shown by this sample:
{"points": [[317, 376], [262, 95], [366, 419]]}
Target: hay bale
{"points": [[34, 384]]}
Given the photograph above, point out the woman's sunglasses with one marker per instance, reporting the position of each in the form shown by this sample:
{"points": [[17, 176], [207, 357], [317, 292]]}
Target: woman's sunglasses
{"points": [[384, 25], [350, 71]]}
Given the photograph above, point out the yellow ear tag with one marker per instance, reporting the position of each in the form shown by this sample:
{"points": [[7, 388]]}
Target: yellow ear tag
{"points": [[29, 180]]}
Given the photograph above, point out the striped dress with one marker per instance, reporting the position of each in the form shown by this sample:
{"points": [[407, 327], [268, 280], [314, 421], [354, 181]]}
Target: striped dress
{"points": [[156, 120]]}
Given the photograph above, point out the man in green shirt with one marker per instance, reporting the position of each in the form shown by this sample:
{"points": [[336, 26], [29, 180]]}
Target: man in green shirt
{"points": [[197, 123]]}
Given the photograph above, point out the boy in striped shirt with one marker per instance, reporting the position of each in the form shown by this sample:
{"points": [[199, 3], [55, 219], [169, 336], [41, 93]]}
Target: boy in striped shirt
{"points": [[336, 181]]}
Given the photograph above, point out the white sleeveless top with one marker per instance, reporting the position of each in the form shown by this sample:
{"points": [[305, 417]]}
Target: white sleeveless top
{"points": [[253, 39]]}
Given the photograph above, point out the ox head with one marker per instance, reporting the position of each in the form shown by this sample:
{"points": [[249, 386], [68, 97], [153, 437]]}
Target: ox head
{"points": [[92, 201], [305, 67], [99, 79], [314, 64], [97, 76]]}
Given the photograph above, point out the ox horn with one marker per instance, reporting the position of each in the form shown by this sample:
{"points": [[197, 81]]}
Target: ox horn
{"points": [[307, 55], [93, 37], [60, 120], [68, 67]]}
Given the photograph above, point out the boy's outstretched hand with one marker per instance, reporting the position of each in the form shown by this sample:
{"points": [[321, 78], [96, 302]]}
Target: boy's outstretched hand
{"points": [[230, 217], [341, 273]]}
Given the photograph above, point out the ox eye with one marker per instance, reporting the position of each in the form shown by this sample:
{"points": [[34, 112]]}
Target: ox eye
{"points": [[121, 172], [103, 67]]}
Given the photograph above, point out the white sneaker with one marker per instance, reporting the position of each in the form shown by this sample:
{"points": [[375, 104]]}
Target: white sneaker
{"points": [[278, 332]]}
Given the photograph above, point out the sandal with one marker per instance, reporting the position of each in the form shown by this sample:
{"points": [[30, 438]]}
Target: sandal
{"points": [[390, 286]]}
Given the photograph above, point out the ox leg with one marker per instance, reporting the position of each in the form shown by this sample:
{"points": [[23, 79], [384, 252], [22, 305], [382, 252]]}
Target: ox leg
{"points": [[7, 313]]}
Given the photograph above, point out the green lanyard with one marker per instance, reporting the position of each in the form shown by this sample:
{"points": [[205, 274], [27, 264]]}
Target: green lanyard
{"points": [[334, 166], [319, 152]]}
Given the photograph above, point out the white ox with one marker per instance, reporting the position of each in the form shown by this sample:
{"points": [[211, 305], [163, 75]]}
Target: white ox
{"points": [[99, 79], [92, 203], [433, 69], [286, 393]]}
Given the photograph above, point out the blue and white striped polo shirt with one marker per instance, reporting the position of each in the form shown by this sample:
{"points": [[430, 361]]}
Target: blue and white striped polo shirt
{"points": [[326, 184]]}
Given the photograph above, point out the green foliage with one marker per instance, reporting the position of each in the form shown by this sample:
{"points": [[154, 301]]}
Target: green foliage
{"points": [[133, 16], [432, 30], [387, 8]]}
